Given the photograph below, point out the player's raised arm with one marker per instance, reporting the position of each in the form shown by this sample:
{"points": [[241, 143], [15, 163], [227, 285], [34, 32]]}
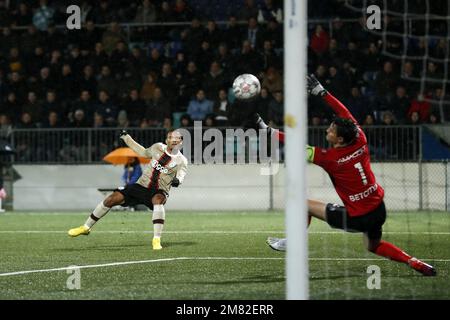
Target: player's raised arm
{"points": [[316, 89], [133, 145]]}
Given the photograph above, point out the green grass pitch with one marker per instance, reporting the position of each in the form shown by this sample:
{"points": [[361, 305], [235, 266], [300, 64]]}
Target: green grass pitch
{"points": [[210, 256]]}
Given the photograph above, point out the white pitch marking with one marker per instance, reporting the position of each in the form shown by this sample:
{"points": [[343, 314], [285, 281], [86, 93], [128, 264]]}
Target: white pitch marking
{"points": [[113, 264], [214, 232]]}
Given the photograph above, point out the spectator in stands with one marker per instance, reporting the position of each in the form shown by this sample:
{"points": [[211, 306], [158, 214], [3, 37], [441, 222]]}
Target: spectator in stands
{"points": [[52, 121], [222, 108], [104, 13], [26, 121], [165, 13], [263, 103], [146, 12], [233, 33], [167, 83], [200, 107], [111, 37], [15, 61], [99, 58], [276, 109], [122, 119], [182, 12], [89, 36], [30, 40], [148, 88], [87, 81], [273, 81], [119, 58], [33, 107], [357, 104], [22, 16], [85, 103], [269, 57], [188, 86], [99, 122], [126, 83], [106, 108], [224, 58], [11, 107], [156, 61], [209, 121], [45, 82], [134, 107], [434, 119], [43, 16], [319, 40], [400, 104], [386, 80], [268, 11], [55, 40], [50, 104], [79, 120], [338, 83], [106, 81], [214, 80], [212, 34], [137, 62], [249, 10], [274, 33], [8, 40], [185, 121], [67, 86], [420, 105], [389, 137], [253, 33], [132, 171], [5, 126], [24, 150], [158, 109]]}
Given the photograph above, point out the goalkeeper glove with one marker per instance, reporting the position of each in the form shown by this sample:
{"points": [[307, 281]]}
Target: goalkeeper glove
{"points": [[314, 87], [175, 182], [122, 133], [260, 123]]}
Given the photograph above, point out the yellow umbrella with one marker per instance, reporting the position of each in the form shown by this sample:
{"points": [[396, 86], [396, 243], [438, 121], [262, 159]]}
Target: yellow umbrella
{"points": [[123, 156]]}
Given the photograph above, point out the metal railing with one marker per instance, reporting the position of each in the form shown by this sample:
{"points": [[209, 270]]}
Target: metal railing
{"points": [[90, 145]]}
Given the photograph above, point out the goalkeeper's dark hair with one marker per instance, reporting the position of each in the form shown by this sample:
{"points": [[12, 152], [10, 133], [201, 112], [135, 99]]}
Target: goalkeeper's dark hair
{"points": [[346, 129]]}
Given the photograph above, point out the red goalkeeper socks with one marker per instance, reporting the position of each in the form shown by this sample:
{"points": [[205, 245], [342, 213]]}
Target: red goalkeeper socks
{"points": [[388, 250]]}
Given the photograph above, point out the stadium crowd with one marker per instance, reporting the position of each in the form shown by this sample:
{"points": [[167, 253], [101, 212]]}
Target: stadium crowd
{"points": [[164, 76]]}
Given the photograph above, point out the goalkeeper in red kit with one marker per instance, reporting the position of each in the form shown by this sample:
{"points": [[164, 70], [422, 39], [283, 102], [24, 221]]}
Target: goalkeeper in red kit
{"points": [[348, 164]]}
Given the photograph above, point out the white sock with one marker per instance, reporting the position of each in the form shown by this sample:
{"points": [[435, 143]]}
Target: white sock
{"points": [[98, 212], [159, 215]]}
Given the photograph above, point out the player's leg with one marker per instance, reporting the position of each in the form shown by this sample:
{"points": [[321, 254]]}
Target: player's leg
{"points": [[315, 208], [159, 216], [116, 198], [374, 244]]}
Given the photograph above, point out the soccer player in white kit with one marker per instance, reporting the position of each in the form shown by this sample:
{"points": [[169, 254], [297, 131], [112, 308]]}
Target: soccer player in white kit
{"points": [[168, 167]]}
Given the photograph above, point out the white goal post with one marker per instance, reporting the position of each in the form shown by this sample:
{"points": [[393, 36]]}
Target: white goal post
{"points": [[295, 61]]}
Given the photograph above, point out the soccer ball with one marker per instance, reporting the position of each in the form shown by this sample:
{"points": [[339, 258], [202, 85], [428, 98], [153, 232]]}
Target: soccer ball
{"points": [[246, 86]]}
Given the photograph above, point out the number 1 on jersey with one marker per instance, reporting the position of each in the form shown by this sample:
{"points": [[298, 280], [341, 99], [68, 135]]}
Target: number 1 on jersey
{"points": [[361, 172]]}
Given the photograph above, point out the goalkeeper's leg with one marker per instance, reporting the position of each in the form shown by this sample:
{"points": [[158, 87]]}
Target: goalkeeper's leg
{"points": [[388, 250], [102, 209]]}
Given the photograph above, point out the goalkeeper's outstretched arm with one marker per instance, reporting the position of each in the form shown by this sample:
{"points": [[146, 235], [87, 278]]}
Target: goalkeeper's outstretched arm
{"points": [[316, 89], [279, 135], [133, 145]]}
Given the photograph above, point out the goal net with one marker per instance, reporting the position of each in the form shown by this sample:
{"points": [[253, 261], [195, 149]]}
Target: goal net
{"points": [[411, 50]]}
